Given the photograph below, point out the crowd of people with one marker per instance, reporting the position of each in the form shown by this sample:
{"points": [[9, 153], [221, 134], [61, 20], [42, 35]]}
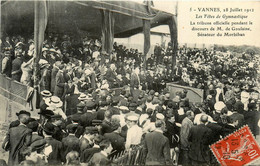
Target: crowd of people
{"points": [[95, 107]]}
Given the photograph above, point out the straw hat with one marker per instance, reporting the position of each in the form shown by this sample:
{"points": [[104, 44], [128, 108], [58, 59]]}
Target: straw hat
{"points": [[46, 93], [54, 101]]}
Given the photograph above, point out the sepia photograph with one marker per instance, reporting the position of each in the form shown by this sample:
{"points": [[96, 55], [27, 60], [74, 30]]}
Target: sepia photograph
{"points": [[129, 82]]}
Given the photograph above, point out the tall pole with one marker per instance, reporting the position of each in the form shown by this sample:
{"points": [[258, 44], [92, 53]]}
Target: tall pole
{"points": [[175, 46], [40, 23], [174, 36], [147, 42]]}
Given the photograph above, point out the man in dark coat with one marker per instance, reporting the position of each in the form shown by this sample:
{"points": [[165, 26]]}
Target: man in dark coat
{"points": [[17, 139], [135, 80], [55, 156], [101, 158], [106, 127], [60, 83], [88, 153], [71, 142], [157, 146], [54, 72], [6, 63], [71, 103], [110, 75], [16, 67], [58, 133], [86, 118], [236, 116], [186, 126], [117, 141], [200, 137]]}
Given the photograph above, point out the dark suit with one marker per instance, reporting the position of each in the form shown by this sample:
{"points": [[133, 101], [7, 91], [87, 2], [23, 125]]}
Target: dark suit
{"points": [[117, 141], [58, 134], [19, 138], [135, 81], [16, 69], [99, 159], [157, 147], [200, 137], [87, 154], [7, 66], [84, 144], [55, 157], [106, 127], [54, 72], [60, 84], [86, 119], [110, 76], [72, 101], [70, 143], [124, 131], [172, 133], [237, 116], [45, 81]]}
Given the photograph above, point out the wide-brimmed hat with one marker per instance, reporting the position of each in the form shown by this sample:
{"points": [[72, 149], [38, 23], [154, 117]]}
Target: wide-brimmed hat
{"points": [[48, 128], [46, 112], [23, 112], [46, 93], [132, 117], [54, 101], [83, 96]]}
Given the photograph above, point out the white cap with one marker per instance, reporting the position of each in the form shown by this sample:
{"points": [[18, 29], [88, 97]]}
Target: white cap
{"points": [[160, 116], [132, 118], [123, 108], [219, 106]]}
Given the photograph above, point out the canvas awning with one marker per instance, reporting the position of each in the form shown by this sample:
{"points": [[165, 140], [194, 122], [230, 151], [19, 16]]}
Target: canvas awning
{"points": [[81, 17]]}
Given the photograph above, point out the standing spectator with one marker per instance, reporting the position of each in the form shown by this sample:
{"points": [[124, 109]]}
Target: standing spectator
{"points": [[16, 66], [45, 81], [54, 72], [55, 156], [87, 139], [157, 146], [18, 138], [117, 141], [101, 158], [71, 142], [200, 137], [58, 132], [134, 132], [186, 125], [135, 80], [7, 42], [110, 75], [60, 83], [7, 63], [27, 72], [106, 126], [88, 153], [236, 116]]}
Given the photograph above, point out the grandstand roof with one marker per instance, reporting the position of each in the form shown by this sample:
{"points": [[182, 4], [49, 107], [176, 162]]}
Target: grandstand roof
{"points": [[81, 17]]}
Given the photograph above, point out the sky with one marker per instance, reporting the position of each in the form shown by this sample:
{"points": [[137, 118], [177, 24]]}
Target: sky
{"points": [[185, 16]]}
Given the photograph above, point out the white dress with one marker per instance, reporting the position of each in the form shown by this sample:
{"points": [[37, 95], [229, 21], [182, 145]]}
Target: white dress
{"points": [[27, 70]]}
